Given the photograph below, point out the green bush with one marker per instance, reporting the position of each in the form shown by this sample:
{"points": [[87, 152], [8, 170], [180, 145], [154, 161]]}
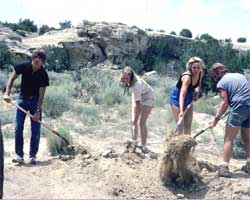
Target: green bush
{"points": [[206, 105], [55, 144], [88, 114], [6, 117], [94, 85], [45, 28], [6, 57], [58, 79], [173, 33], [65, 24], [56, 101], [56, 58], [111, 95], [3, 81], [242, 40], [186, 33]]}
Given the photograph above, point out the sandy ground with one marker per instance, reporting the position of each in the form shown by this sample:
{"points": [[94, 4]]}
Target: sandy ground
{"points": [[122, 175]]}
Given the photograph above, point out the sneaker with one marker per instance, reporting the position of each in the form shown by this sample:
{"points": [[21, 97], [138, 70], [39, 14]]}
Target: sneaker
{"points": [[224, 171], [145, 150], [246, 168], [32, 160], [18, 160]]}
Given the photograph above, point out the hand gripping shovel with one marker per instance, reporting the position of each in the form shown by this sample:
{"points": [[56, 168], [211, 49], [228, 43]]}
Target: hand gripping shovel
{"points": [[45, 125]]}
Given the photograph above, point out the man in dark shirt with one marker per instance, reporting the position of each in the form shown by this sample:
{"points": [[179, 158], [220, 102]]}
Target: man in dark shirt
{"points": [[33, 85]]}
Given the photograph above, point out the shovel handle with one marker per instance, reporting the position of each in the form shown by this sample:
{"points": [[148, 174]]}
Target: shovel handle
{"points": [[39, 121], [208, 127], [181, 118]]}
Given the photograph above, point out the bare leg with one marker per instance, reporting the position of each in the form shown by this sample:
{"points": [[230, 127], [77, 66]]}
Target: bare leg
{"points": [[230, 134], [145, 111], [188, 118], [176, 112], [245, 135]]}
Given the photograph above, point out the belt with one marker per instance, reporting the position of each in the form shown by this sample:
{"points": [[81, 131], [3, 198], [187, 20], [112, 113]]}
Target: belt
{"points": [[27, 97]]}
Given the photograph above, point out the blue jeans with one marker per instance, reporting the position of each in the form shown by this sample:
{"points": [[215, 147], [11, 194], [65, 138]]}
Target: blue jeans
{"points": [[29, 105]]}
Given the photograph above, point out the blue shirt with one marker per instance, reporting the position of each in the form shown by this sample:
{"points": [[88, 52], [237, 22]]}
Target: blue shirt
{"points": [[237, 88]]}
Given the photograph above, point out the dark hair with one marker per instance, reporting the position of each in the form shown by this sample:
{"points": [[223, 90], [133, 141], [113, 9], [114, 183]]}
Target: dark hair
{"points": [[40, 54]]}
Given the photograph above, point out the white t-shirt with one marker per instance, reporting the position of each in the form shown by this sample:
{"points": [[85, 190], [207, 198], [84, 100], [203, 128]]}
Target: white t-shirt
{"points": [[140, 88]]}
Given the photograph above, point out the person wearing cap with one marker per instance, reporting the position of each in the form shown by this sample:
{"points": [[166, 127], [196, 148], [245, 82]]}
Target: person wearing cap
{"points": [[234, 91], [33, 85], [186, 90]]}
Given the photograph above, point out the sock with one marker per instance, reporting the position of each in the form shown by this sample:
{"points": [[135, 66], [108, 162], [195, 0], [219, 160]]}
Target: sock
{"points": [[225, 163]]}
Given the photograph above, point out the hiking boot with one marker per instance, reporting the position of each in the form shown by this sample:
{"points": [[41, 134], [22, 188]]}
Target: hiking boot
{"points": [[18, 160], [224, 171], [246, 168], [32, 160]]}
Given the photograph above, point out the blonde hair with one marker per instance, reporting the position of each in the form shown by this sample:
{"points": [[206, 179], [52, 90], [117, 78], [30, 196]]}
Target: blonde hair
{"points": [[193, 60], [133, 76]]}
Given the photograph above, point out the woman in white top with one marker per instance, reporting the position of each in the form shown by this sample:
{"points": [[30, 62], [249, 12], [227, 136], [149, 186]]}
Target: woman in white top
{"points": [[142, 103]]}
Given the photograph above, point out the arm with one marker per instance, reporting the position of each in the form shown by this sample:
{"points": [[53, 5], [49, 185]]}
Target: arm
{"points": [[186, 80], [222, 106], [197, 90], [39, 103], [12, 78]]}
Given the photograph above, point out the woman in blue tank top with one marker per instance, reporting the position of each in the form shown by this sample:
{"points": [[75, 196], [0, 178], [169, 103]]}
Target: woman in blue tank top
{"points": [[186, 90]]}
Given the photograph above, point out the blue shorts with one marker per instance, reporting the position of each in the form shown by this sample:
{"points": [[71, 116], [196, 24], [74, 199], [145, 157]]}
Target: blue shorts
{"points": [[175, 94], [240, 117]]}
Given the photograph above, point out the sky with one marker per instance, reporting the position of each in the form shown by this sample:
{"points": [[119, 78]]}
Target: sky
{"points": [[219, 18]]}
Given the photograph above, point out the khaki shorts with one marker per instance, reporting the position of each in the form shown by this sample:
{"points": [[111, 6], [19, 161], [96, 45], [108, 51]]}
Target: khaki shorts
{"points": [[148, 99]]}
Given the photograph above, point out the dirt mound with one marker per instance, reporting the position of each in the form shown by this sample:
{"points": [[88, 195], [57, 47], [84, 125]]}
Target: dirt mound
{"points": [[178, 167]]}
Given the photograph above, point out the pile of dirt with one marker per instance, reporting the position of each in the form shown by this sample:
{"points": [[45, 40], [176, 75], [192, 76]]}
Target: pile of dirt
{"points": [[178, 167]]}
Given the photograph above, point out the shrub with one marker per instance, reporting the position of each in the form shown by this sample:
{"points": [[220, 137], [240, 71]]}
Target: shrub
{"points": [[206, 105], [111, 95], [5, 55], [6, 117], [149, 29], [3, 82], [65, 24], [173, 33], [58, 79], [136, 64], [56, 58], [56, 101], [242, 40], [27, 25], [88, 114], [43, 29], [97, 86], [186, 33], [55, 144]]}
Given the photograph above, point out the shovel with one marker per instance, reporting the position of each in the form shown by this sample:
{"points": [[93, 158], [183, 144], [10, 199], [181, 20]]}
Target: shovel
{"points": [[45, 125], [208, 127], [181, 118]]}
